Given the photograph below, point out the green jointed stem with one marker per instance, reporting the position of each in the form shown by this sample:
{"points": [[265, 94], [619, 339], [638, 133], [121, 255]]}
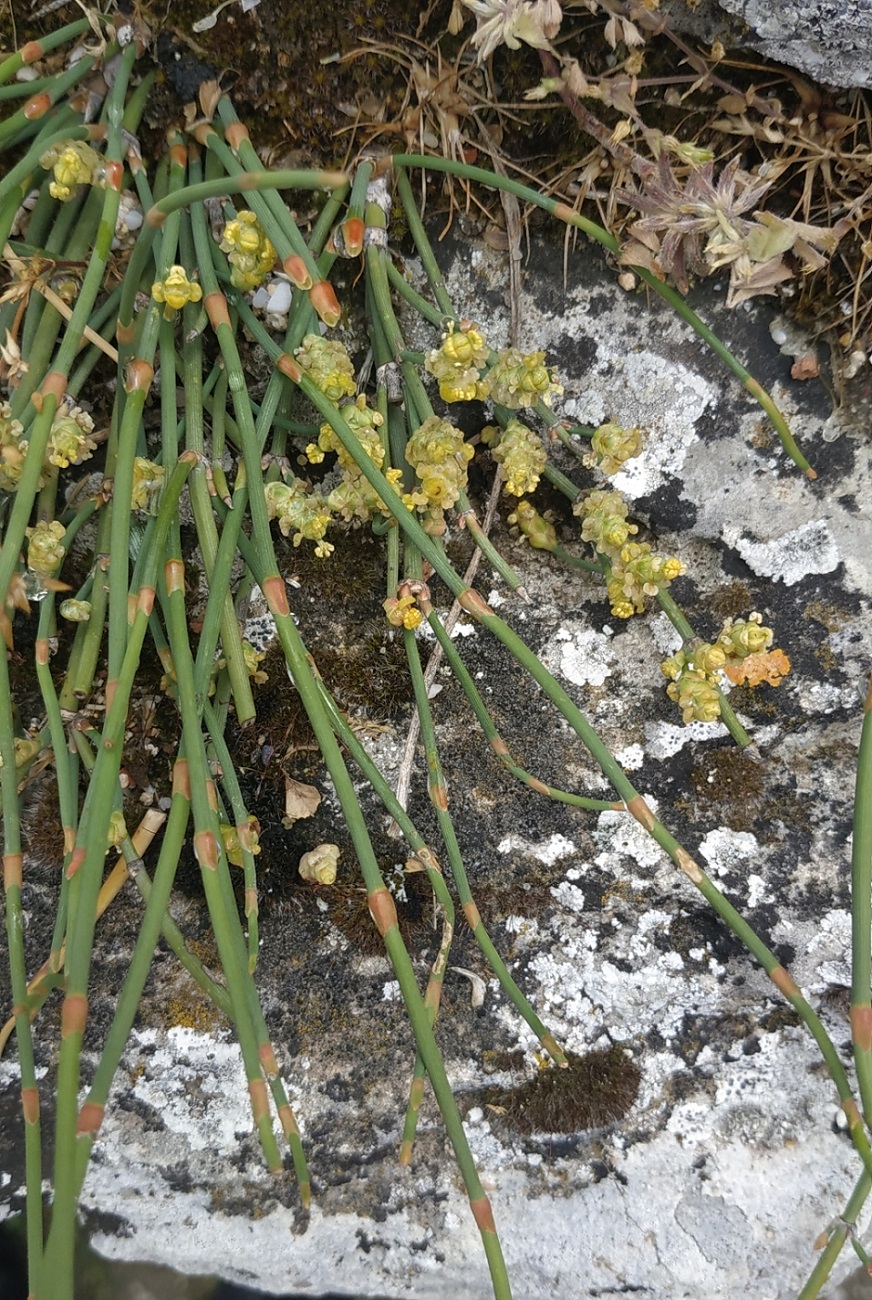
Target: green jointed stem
{"points": [[204, 518], [861, 914], [34, 50], [230, 783], [422, 243], [21, 121], [439, 797], [12, 881], [474, 605], [214, 870], [134, 981], [492, 735], [86, 869], [414, 299], [836, 1235], [564, 213], [55, 383], [295, 656], [489, 551]]}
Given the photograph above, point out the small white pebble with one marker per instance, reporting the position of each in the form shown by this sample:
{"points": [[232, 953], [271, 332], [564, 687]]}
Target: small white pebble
{"points": [[280, 298]]}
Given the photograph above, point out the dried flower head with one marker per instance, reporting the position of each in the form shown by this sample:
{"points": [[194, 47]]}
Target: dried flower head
{"points": [[697, 226]]}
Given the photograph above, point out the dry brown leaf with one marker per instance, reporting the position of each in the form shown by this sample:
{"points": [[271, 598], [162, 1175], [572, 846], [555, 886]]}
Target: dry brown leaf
{"points": [[301, 801], [210, 93]]}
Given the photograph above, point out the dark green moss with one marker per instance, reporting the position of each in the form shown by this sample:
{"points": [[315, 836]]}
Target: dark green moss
{"points": [[731, 601], [597, 1089], [349, 912], [733, 781]]}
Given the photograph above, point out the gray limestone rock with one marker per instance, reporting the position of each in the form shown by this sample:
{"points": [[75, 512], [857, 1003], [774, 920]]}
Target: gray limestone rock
{"points": [[828, 40], [720, 1168]]}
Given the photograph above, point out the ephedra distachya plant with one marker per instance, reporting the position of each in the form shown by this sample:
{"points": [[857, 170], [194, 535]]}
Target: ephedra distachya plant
{"points": [[120, 268]]}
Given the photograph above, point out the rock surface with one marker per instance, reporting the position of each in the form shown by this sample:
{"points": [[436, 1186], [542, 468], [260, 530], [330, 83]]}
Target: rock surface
{"points": [[828, 40], [727, 1160]]}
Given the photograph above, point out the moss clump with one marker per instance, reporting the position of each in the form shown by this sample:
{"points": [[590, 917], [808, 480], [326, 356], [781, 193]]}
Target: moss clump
{"points": [[596, 1089], [734, 782], [349, 912], [731, 601]]}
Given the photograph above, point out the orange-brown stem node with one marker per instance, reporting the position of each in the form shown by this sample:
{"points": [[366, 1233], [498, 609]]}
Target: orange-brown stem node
{"points": [[206, 850], [353, 231], [852, 1113], [473, 603], [182, 778], [416, 1094], [382, 909], [563, 212], [298, 272], [811, 473], [125, 334], [861, 1027], [268, 1060], [174, 576], [42, 652], [31, 52], [114, 175], [145, 601], [77, 857], [216, 309], [539, 786], [139, 376], [483, 1214], [323, 298], [54, 384], [290, 1127], [37, 106], [236, 134], [202, 131], [472, 914], [13, 871], [784, 982], [439, 795], [251, 908], [74, 1014], [552, 1047], [90, 1119], [691, 869], [499, 746], [433, 996], [259, 1102], [30, 1105], [288, 366], [111, 688], [641, 812], [179, 155], [212, 795], [276, 596]]}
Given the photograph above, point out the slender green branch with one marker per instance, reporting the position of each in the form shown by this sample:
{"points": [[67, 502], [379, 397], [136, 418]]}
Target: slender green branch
{"points": [[608, 241]]}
